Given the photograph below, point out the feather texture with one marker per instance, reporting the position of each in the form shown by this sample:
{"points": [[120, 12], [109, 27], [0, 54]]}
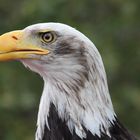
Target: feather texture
{"points": [[75, 103], [59, 130]]}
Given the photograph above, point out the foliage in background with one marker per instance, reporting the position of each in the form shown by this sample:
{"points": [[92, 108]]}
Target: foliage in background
{"points": [[114, 27]]}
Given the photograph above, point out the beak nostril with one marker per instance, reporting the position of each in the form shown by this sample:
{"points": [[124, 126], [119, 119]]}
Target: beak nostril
{"points": [[14, 37]]}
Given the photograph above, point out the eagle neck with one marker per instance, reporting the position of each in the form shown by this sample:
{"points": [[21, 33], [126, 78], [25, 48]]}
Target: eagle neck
{"points": [[90, 108], [79, 114]]}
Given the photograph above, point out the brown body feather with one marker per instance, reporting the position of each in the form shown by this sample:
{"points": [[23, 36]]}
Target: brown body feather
{"points": [[59, 130]]}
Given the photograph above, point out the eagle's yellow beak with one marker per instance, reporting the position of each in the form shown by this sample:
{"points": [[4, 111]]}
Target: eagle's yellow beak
{"points": [[13, 46]]}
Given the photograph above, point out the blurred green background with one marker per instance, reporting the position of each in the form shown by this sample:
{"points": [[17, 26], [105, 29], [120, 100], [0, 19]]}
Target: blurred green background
{"points": [[114, 27]]}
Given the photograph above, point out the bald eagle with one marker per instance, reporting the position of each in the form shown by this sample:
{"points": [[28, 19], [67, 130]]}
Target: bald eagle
{"points": [[75, 103]]}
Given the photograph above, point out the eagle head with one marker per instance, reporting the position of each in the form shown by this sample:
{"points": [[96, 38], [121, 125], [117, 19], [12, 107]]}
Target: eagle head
{"points": [[73, 73]]}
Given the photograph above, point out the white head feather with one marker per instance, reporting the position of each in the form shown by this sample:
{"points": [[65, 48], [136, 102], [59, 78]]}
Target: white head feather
{"points": [[89, 105]]}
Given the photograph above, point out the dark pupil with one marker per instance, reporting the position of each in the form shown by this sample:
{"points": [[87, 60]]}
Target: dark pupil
{"points": [[47, 36]]}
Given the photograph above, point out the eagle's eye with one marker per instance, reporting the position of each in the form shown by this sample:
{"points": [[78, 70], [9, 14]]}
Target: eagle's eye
{"points": [[48, 37]]}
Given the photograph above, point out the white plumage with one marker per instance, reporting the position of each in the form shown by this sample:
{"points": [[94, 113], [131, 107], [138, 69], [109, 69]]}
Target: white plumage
{"points": [[94, 96], [75, 103]]}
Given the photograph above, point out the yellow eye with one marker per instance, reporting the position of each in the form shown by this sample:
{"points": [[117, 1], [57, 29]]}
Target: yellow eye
{"points": [[48, 37]]}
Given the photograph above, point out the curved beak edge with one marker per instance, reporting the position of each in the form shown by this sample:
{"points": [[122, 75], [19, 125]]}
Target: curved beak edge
{"points": [[12, 47]]}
